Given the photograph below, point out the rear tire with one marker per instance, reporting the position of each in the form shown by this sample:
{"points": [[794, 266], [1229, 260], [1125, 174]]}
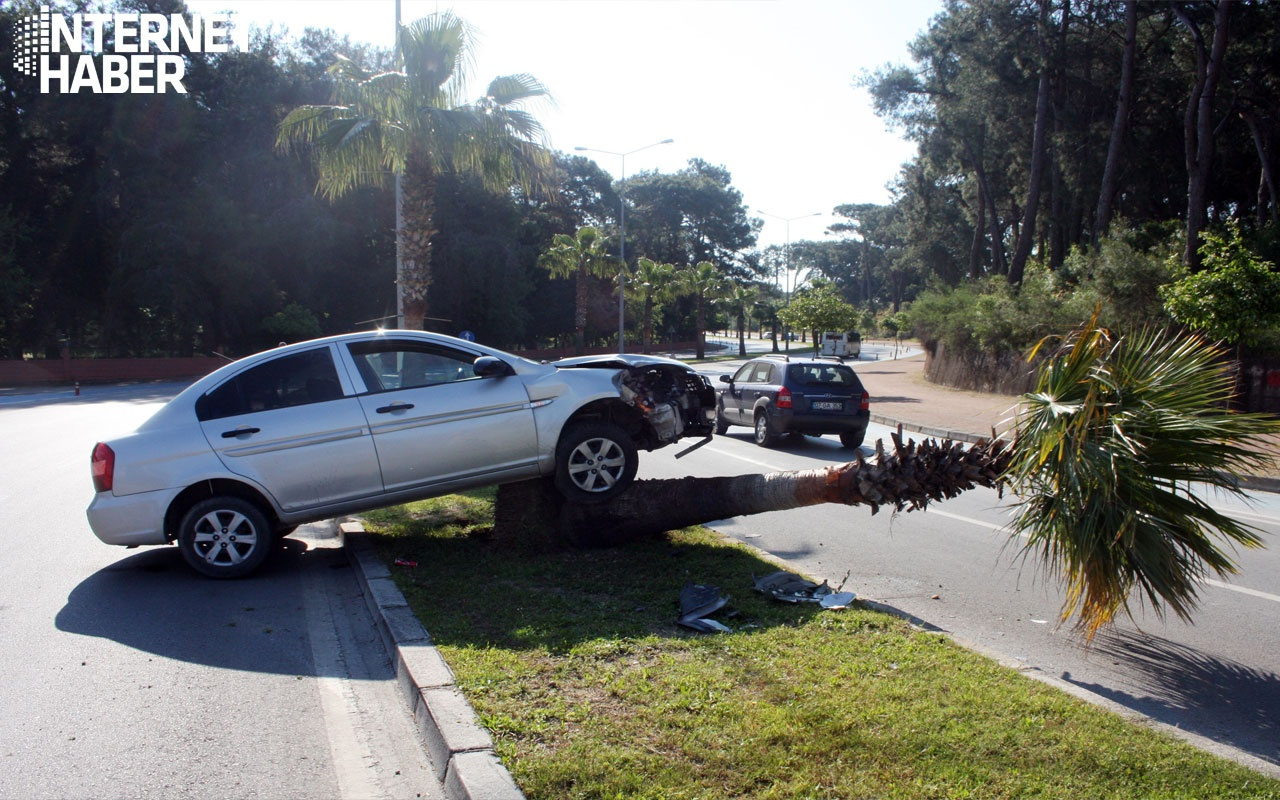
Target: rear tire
{"points": [[595, 461], [764, 435], [224, 537], [852, 440]]}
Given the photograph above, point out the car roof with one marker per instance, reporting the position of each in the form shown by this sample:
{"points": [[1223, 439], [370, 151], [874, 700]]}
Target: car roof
{"points": [[189, 395], [619, 361]]}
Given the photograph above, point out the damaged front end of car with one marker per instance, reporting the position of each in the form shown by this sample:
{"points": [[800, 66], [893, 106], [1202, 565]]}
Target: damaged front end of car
{"points": [[674, 401]]}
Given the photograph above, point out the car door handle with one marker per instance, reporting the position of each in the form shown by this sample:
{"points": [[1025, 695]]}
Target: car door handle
{"points": [[239, 432], [394, 407]]}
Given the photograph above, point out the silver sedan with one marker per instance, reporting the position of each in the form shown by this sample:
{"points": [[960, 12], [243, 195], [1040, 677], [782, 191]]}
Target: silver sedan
{"points": [[348, 423]]}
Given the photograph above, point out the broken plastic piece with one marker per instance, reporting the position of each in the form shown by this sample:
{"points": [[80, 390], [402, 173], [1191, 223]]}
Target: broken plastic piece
{"points": [[792, 588], [698, 602], [838, 600]]}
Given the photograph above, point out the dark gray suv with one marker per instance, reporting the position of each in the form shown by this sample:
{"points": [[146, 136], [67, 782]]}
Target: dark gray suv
{"points": [[774, 395]]}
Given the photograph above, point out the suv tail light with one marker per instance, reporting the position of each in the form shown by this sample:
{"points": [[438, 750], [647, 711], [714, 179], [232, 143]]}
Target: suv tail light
{"points": [[866, 402], [103, 464], [784, 398]]}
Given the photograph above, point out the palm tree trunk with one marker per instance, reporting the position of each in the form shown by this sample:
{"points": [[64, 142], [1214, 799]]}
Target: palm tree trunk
{"points": [[646, 334], [534, 513], [580, 313], [419, 227]]}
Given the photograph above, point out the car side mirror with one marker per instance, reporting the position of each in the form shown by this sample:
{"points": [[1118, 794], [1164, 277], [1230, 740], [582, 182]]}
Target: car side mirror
{"points": [[490, 367], [726, 379]]}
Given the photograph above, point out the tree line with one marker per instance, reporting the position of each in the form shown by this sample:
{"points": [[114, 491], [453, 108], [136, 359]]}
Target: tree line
{"points": [[170, 224], [1071, 154], [1074, 150]]}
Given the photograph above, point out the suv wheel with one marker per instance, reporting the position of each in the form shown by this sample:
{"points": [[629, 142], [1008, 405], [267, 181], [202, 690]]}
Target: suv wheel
{"points": [[224, 537], [594, 462], [722, 424], [850, 439], [765, 436]]}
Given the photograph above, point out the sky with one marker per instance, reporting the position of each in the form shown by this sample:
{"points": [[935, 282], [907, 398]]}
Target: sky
{"points": [[764, 88]]}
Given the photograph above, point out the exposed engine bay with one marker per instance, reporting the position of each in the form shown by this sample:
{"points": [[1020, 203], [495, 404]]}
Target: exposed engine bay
{"points": [[672, 399], [676, 401]]}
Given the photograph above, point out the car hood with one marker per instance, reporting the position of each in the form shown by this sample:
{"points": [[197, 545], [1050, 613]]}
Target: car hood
{"points": [[617, 361]]}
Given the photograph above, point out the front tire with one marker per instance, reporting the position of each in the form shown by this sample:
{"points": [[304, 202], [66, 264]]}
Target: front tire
{"points": [[595, 461], [224, 537], [722, 424]]}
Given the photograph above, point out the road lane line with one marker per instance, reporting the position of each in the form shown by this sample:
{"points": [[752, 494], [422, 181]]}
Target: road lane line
{"points": [[1275, 598], [980, 523], [347, 747], [1207, 582], [766, 465]]}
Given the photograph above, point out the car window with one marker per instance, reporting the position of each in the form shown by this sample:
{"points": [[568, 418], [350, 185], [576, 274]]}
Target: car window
{"points": [[820, 375], [762, 373], [743, 375], [389, 365], [292, 380]]}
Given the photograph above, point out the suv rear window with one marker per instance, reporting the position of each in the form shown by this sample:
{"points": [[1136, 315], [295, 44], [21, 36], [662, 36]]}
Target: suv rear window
{"points": [[821, 375]]}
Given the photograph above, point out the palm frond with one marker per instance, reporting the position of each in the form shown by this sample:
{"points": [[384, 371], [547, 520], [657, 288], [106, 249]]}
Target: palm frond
{"points": [[437, 55], [1112, 448], [511, 90]]}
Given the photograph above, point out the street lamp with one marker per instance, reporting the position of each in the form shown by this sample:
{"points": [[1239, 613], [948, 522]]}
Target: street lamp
{"points": [[622, 223], [786, 258]]}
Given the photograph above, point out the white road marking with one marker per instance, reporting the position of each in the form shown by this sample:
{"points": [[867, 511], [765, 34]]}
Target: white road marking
{"points": [[1207, 582], [1275, 598], [347, 747]]}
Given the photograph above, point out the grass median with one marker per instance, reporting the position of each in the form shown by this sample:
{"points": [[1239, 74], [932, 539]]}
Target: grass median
{"points": [[576, 666]]}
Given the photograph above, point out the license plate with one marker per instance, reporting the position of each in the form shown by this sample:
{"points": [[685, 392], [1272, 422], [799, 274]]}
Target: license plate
{"points": [[822, 405]]}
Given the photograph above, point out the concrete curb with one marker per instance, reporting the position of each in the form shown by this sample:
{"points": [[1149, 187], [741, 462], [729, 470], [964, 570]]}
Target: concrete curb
{"points": [[460, 748]]}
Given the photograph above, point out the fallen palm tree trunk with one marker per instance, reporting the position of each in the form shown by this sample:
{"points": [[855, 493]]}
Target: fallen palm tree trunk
{"points": [[908, 477]]}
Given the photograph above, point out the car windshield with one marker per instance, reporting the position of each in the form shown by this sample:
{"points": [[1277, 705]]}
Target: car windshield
{"points": [[820, 375]]}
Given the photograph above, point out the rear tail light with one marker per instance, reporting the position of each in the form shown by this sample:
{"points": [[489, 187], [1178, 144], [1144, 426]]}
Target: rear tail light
{"points": [[866, 402], [784, 397], [103, 465]]}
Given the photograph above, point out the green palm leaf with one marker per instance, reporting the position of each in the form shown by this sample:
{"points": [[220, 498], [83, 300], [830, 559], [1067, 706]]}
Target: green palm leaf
{"points": [[1115, 450]]}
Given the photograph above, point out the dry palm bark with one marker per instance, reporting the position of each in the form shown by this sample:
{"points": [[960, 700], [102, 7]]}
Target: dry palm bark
{"points": [[909, 477]]}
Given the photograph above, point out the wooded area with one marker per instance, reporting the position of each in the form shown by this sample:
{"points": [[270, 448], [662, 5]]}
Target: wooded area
{"points": [[1048, 131]]}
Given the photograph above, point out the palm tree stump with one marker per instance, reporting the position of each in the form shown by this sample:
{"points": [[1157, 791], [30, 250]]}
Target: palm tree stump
{"points": [[533, 513]]}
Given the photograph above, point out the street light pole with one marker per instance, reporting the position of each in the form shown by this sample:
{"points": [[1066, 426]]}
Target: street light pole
{"points": [[786, 260], [622, 224], [399, 205]]}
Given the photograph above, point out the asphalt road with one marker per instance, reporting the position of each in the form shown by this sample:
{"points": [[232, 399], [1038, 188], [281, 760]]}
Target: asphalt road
{"points": [[127, 675], [955, 567], [130, 677]]}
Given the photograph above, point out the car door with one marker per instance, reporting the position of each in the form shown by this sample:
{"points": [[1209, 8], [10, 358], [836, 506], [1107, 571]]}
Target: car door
{"points": [[435, 422], [732, 396], [288, 425], [759, 382]]}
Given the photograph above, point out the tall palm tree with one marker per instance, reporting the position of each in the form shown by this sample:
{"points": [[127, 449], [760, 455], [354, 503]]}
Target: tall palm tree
{"points": [[414, 123], [742, 299], [654, 284], [705, 283], [580, 256]]}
